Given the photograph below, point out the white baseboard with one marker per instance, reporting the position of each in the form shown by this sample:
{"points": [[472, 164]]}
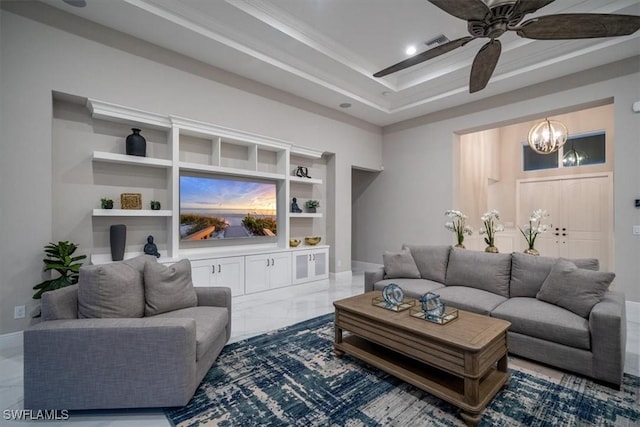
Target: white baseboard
{"points": [[13, 339], [364, 266], [633, 311], [341, 276]]}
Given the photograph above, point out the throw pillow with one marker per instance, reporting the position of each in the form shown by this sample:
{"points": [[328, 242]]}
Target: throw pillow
{"points": [[573, 288], [112, 290], [431, 260], [529, 272], [168, 288], [400, 265]]}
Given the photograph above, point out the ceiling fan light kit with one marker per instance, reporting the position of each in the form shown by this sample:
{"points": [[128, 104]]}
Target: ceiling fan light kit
{"points": [[547, 136], [492, 18]]}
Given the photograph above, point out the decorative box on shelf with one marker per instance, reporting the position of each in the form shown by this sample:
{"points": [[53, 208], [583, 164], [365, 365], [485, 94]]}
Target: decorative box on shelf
{"points": [[131, 200], [449, 314], [405, 304]]}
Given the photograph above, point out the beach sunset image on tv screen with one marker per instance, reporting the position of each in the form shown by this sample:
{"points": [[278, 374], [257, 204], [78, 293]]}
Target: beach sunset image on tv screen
{"points": [[226, 208]]}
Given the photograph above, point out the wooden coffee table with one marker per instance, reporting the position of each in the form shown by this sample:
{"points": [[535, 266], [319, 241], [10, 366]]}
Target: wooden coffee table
{"points": [[470, 352]]}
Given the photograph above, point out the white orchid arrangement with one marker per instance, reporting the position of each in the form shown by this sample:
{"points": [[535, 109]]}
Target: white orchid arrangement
{"points": [[458, 225], [490, 226], [534, 226]]}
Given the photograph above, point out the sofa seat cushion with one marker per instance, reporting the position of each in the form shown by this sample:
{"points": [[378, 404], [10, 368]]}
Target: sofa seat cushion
{"points": [[470, 299], [210, 323], [412, 288], [530, 316], [480, 270]]}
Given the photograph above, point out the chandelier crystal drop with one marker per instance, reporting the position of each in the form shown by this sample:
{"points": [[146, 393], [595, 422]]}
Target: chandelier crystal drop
{"points": [[547, 136]]}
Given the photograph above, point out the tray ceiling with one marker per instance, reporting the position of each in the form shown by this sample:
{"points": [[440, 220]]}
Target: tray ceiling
{"points": [[326, 51]]}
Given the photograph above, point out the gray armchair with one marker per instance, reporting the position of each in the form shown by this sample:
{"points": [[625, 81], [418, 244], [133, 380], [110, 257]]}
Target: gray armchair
{"points": [[96, 363]]}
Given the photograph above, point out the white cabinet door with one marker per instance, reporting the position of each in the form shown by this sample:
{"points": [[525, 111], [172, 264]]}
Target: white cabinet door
{"points": [[280, 270], [267, 271], [227, 272], [320, 263], [309, 265], [201, 273], [255, 276]]}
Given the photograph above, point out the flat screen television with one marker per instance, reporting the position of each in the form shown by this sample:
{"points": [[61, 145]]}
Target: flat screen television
{"points": [[222, 207]]}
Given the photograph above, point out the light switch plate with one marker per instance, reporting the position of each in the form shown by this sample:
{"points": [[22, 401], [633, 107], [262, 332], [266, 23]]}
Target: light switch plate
{"points": [[636, 230]]}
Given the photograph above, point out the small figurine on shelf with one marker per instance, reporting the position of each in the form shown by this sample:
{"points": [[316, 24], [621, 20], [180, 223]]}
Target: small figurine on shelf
{"points": [[302, 172], [294, 206], [106, 203], [150, 248], [155, 205]]}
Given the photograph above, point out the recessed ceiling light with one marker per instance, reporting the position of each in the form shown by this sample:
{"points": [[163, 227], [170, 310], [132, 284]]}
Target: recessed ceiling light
{"points": [[345, 105], [386, 93], [410, 50]]}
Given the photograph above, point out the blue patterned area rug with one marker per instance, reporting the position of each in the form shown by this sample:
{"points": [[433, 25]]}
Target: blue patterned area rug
{"points": [[290, 377]]}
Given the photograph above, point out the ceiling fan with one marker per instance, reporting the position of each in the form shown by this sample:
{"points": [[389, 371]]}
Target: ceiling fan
{"points": [[492, 18]]}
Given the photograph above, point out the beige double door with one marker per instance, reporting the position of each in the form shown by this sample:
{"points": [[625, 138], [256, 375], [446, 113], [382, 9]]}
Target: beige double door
{"points": [[581, 215]]}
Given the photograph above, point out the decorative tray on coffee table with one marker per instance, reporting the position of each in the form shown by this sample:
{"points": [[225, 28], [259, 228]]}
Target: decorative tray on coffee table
{"points": [[449, 314], [401, 306]]}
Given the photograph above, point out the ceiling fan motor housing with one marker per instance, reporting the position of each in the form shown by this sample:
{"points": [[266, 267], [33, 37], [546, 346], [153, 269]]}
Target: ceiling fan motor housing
{"points": [[501, 16]]}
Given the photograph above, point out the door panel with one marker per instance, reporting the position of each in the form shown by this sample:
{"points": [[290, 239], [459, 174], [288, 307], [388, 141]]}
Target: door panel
{"points": [[581, 216]]}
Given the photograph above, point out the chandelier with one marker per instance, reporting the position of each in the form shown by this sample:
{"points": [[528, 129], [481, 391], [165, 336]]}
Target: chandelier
{"points": [[574, 157], [547, 136]]}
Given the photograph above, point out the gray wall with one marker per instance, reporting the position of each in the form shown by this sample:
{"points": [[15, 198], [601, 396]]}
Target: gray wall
{"points": [[406, 203], [91, 61]]}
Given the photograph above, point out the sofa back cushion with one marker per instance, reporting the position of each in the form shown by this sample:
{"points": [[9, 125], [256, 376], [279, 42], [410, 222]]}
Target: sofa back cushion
{"points": [[573, 288], [431, 260], [529, 272], [112, 290], [168, 288], [481, 270]]}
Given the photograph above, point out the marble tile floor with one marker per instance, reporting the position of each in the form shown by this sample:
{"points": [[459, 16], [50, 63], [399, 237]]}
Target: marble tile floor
{"points": [[252, 315]]}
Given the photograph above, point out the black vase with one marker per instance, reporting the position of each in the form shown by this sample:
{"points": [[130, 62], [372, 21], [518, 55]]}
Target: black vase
{"points": [[136, 144], [118, 238]]}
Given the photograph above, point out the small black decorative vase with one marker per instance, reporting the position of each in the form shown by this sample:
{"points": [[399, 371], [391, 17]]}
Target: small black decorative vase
{"points": [[136, 144], [118, 238]]}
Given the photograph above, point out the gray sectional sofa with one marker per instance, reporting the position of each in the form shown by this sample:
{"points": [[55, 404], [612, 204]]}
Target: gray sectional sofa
{"points": [[130, 334], [562, 312]]}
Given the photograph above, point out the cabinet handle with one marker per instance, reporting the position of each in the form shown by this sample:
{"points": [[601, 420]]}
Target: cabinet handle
{"points": [[213, 269], [309, 257], [273, 261], [314, 257], [219, 268], [267, 262]]}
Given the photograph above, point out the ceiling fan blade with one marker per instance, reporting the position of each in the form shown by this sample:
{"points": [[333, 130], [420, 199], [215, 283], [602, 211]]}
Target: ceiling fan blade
{"points": [[578, 26], [483, 65], [469, 10], [528, 6], [424, 56]]}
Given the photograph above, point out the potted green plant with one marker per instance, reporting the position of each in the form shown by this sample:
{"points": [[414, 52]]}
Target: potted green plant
{"points": [[155, 205], [106, 203], [312, 205], [61, 259]]}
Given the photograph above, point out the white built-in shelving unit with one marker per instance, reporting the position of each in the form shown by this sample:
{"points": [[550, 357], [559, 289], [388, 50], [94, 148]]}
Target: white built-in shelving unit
{"points": [[205, 148]]}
